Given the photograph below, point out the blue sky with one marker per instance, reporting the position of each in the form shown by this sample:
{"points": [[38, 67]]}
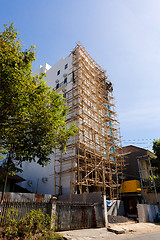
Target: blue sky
{"points": [[121, 35]]}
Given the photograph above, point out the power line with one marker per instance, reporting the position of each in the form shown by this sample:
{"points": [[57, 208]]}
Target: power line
{"points": [[139, 139]]}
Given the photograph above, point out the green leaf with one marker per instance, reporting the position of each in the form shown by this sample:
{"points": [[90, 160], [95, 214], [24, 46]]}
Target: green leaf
{"points": [[32, 116]]}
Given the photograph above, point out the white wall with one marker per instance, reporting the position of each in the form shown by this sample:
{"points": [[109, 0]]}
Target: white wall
{"points": [[32, 172], [35, 174], [52, 72]]}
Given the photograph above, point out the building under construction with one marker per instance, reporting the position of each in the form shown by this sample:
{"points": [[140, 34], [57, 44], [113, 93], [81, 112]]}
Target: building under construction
{"points": [[91, 159], [91, 162]]}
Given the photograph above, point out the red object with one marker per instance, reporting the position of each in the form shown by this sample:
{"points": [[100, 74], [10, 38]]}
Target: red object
{"points": [[94, 218]]}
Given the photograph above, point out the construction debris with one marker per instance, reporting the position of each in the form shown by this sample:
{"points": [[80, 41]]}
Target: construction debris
{"points": [[116, 229], [117, 219]]}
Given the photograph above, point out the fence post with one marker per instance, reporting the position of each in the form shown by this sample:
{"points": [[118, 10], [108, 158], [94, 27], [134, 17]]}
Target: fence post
{"points": [[53, 212]]}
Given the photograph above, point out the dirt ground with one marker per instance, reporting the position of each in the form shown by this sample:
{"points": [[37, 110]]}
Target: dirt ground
{"points": [[131, 231]]}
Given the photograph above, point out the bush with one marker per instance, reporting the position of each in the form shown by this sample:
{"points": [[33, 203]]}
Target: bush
{"points": [[35, 225]]}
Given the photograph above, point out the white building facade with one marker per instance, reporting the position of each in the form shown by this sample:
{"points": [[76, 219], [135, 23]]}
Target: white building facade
{"points": [[41, 179], [90, 162]]}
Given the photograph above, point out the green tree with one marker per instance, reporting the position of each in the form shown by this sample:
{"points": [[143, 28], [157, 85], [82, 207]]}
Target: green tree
{"points": [[32, 115], [156, 161]]}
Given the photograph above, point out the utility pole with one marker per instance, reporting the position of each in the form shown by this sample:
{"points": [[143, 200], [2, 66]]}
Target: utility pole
{"points": [[105, 211]]}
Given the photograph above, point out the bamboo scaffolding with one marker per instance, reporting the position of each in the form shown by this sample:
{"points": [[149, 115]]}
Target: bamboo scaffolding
{"points": [[92, 160]]}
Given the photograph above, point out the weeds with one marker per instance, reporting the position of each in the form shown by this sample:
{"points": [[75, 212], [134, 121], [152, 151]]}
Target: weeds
{"points": [[34, 226]]}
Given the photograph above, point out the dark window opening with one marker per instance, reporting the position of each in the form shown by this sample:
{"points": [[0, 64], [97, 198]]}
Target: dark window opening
{"points": [[64, 95], [57, 86], [65, 80], [73, 77], [58, 72], [66, 66]]}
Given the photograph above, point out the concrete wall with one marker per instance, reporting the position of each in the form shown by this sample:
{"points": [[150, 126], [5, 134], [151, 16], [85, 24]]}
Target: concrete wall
{"points": [[151, 198], [87, 213], [99, 215], [74, 216], [69, 215], [90, 198], [146, 212], [117, 208], [96, 198]]}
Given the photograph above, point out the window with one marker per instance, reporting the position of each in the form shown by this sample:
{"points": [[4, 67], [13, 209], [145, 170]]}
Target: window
{"points": [[64, 95], [57, 86], [58, 72], [65, 80], [73, 77], [66, 66]]}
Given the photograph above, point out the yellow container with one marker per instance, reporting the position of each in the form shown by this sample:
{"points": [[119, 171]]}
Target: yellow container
{"points": [[130, 186]]}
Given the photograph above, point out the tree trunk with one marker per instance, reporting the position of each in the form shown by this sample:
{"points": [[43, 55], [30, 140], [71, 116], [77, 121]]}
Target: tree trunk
{"points": [[6, 177]]}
